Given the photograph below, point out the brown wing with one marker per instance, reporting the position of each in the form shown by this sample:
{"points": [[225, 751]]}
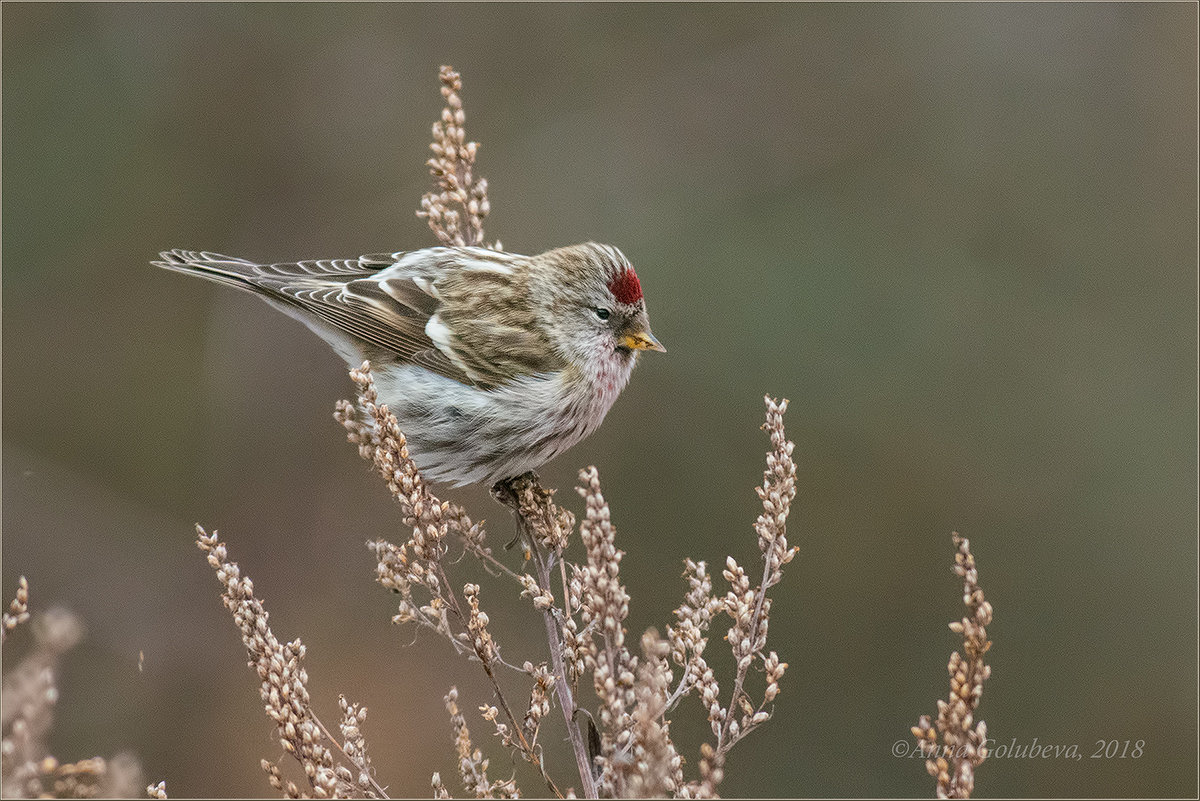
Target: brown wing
{"points": [[486, 324], [346, 295], [463, 313]]}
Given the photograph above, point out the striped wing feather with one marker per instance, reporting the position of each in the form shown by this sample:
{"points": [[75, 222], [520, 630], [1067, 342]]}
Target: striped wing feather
{"points": [[389, 310]]}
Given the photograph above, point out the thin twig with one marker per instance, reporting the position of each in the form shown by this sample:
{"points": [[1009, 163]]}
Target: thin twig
{"points": [[563, 689], [374, 784], [723, 746], [531, 754], [506, 494]]}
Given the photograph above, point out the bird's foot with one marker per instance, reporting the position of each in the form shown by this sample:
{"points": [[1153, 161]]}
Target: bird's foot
{"points": [[537, 517], [520, 494]]}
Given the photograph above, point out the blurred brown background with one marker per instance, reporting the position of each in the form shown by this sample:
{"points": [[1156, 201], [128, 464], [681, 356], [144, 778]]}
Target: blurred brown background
{"points": [[961, 239]]}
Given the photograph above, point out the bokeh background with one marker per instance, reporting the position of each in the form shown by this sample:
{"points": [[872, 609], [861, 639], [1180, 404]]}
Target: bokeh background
{"points": [[960, 238]]}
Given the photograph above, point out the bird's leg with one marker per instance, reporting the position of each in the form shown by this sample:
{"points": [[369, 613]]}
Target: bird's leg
{"points": [[506, 494], [511, 492]]}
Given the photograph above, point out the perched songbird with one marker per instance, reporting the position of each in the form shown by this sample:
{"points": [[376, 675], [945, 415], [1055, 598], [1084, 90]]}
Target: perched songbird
{"points": [[493, 363]]}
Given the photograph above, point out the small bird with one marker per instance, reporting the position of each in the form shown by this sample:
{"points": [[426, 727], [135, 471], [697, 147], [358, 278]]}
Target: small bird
{"points": [[493, 363]]}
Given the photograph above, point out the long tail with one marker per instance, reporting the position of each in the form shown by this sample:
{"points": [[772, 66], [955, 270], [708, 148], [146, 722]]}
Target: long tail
{"points": [[215, 267], [339, 299], [287, 281]]}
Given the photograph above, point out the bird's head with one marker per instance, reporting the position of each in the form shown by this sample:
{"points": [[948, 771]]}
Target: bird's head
{"points": [[595, 308]]}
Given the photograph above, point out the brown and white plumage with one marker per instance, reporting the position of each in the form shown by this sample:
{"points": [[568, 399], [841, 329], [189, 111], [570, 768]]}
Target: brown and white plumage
{"points": [[492, 362]]}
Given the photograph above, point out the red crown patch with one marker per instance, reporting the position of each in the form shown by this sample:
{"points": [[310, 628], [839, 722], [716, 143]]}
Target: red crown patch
{"points": [[625, 287]]}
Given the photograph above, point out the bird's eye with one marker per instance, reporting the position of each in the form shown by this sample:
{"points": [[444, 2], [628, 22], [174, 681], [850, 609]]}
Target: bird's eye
{"points": [[602, 313]]}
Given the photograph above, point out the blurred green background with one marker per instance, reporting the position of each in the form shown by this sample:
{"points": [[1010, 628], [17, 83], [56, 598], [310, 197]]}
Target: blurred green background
{"points": [[960, 238]]}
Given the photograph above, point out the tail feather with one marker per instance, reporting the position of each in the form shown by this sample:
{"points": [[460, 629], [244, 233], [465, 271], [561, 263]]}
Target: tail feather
{"points": [[330, 296], [213, 266]]}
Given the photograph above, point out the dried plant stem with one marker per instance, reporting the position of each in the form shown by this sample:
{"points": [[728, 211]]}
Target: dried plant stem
{"points": [[488, 657], [724, 741], [30, 694], [532, 754], [566, 700], [456, 208], [509, 493], [748, 635], [18, 610], [283, 688], [963, 746], [370, 779], [491, 561]]}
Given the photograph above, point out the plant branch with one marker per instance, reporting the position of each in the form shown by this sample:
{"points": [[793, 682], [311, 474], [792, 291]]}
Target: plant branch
{"points": [[509, 493], [485, 650]]}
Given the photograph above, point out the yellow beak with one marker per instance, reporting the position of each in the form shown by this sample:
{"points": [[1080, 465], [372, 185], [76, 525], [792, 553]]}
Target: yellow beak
{"points": [[642, 340]]}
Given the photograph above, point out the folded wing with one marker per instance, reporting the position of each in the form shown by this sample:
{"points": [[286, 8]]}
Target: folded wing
{"points": [[391, 305]]}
